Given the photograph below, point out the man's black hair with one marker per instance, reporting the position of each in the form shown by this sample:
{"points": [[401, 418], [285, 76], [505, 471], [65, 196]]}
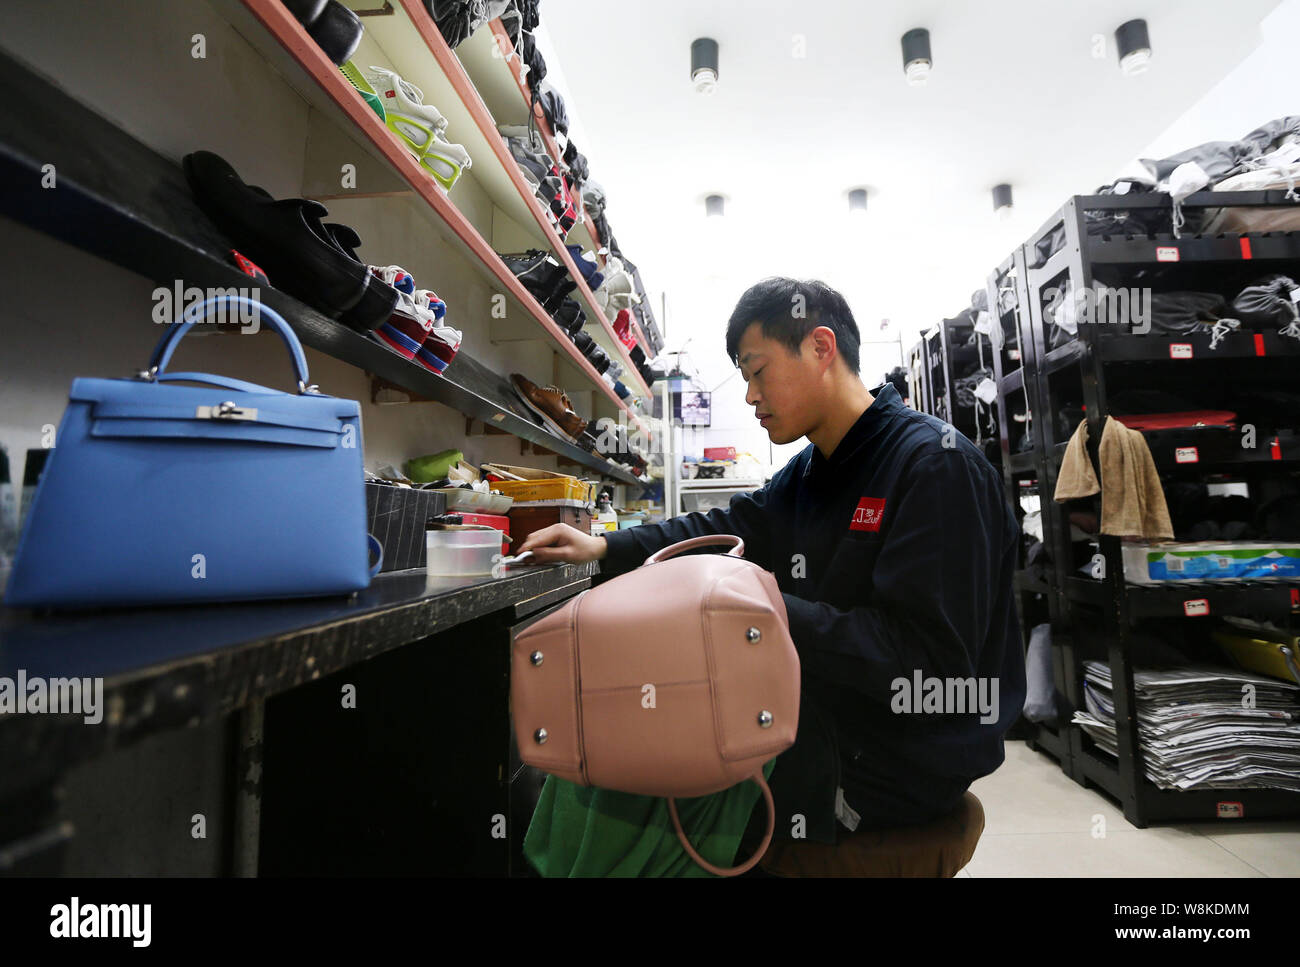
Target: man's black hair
{"points": [[789, 309]]}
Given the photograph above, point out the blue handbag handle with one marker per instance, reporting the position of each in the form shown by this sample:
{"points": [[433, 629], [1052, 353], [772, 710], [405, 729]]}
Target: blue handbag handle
{"points": [[379, 554], [162, 353]]}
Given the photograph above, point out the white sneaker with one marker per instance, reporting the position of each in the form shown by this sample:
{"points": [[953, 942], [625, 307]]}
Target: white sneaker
{"points": [[421, 126]]}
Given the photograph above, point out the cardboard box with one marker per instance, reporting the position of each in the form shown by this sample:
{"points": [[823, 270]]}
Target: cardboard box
{"points": [[540, 484]]}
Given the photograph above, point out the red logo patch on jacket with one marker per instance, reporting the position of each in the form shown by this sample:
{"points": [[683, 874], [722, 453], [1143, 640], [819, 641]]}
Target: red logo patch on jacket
{"points": [[868, 514]]}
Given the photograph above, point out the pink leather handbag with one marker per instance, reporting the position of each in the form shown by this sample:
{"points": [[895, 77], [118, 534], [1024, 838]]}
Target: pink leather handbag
{"points": [[676, 679]]}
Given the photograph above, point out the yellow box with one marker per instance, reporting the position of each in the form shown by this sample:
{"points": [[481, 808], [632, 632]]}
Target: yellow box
{"points": [[1261, 655], [540, 484]]}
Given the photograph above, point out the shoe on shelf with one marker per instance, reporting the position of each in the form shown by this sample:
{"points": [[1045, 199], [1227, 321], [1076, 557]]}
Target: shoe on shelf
{"points": [[552, 405], [588, 267], [409, 324], [421, 126], [290, 242], [443, 342], [599, 359], [379, 300], [584, 342], [336, 29], [570, 316], [542, 276], [365, 89]]}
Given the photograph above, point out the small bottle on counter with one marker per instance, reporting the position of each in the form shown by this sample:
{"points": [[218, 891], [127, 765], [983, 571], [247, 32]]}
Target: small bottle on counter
{"points": [[606, 518]]}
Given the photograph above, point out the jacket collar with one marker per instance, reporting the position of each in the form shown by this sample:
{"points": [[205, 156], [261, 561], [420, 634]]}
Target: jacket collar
{"points": [[882, 409]]}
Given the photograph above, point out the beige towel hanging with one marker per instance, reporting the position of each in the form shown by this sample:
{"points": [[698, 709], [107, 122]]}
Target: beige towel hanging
{"points": [[1132, 500]]}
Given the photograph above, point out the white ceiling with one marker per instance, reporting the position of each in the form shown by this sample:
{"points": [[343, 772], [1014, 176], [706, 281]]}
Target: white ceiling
{"points": [[1016, 96]]}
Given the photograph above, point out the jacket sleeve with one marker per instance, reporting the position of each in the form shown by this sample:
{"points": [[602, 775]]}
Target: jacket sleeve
{"points": [[748, 517], [935, 586]]}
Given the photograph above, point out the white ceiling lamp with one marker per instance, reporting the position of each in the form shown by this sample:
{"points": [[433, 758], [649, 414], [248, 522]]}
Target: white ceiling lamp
{"points": [[704, 65], [1134, 45], [713, 206], [1002, 202], [916, 56], [857, 201]]}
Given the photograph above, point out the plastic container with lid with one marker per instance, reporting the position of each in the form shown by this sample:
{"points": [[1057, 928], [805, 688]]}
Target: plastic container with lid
{"points": [[461, 551]]}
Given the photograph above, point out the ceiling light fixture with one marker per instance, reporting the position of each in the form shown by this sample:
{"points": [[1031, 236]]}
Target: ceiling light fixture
{"points": [[858, 201], [1002, 202], [1134, 46], [713, 206], [704, 65], [916, 56]]}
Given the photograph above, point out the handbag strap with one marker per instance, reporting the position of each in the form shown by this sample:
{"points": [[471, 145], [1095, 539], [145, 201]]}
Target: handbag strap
{"points": [[162, 353], [758, 853], [737, 546]]}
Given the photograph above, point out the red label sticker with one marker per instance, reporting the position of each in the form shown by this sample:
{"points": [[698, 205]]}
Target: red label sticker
{"points": [[1275, 449], [1166, 253], [1246, 253], [1230, 810], [1196, 607], [1180, 350], [868, 514], [1259, 342], [1186, 455]]}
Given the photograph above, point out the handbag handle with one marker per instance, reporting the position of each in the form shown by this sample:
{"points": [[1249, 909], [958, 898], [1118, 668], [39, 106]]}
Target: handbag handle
{"points": [[162, 353], [737, 547], [758, 853]]}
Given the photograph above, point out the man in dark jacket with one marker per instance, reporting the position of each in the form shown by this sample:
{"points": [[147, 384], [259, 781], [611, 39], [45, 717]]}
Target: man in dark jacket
{"points": [[894, 547]]}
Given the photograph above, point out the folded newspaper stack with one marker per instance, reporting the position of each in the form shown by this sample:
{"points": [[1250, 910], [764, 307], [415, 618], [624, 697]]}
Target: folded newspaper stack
{"points": [[1203, 727]]}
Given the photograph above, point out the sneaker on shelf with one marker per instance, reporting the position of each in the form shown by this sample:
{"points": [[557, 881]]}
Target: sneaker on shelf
{"points": [[358, 80], [588, 267], [552, 405], [410, 324], [542, 276], [443, 342], [421, 126]]}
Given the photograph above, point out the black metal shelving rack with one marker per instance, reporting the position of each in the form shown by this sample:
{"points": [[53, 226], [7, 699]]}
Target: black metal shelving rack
{"points": [[918, 387], [1037, 601], [1106, 610], [938, 371]]}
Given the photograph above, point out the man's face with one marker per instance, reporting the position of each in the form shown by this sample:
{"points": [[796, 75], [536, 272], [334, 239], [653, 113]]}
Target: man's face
{"points": [[783, 388]]}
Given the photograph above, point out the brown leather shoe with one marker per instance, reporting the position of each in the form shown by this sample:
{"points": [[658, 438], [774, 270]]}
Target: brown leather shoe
{"points": [[552, 405]]}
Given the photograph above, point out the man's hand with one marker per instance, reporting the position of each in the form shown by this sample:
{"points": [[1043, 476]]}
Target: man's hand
{"points": [[563, 544]]}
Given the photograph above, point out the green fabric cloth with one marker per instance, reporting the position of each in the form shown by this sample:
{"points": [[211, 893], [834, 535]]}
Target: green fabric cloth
{"points": [[585, 831]]}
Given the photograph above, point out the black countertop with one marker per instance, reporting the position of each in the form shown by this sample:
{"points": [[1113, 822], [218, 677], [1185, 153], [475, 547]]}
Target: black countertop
{"points": [[174, 667]]}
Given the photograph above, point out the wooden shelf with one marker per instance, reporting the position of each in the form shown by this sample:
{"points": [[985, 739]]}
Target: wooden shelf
{"points": [[488, 59], [463, 93], [121, 201], [291, 51]]}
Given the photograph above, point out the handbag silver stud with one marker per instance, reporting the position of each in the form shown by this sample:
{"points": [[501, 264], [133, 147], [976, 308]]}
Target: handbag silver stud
{"points": [[765, 719], [540, 736], [752, 635], [535, 658]]}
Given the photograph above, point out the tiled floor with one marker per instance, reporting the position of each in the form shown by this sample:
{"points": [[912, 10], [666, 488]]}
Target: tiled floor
{"points": [[1040, 822]]}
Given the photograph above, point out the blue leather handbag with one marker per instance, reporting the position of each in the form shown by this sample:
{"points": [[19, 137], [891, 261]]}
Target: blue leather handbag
{"points": [[160, 493]]}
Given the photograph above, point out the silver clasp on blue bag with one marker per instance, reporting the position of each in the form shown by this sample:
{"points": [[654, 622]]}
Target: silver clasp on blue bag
{"points": [[225, 411]]}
